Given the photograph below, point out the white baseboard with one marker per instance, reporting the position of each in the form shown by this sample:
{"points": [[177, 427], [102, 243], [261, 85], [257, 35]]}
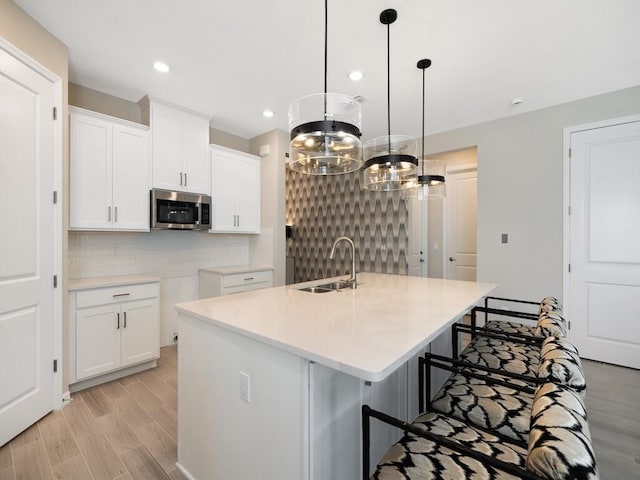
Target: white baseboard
{"points": [[107, 377], [185, 472]]}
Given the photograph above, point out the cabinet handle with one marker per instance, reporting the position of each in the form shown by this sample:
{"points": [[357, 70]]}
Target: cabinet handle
{"points": [[180, 178], [185, 179], [238, 220], [248, 278], [109, 214], [115, 216], [118, 315], [120, 295], [125, 319]]}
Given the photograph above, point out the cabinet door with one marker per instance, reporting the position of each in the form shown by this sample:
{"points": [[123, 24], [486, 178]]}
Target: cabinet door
{"points": [[97, 340], [131, 162], [195, 158], [224, 188], [90, 173], [166, 126], [140, 331], [248, 197]]}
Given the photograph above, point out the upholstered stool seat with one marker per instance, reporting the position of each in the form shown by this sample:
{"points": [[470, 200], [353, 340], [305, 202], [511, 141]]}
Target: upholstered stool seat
{"points": [[414, 457], [496, 353], [498, 408], [548, 305], [436, 447]]}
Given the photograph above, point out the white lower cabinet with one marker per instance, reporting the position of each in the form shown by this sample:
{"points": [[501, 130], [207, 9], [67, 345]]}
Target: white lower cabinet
{"points": [[115, 327], [225, 281]]}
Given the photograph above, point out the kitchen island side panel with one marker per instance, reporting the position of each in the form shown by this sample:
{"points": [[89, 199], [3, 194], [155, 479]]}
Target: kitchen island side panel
{"points": [[220, 436]]}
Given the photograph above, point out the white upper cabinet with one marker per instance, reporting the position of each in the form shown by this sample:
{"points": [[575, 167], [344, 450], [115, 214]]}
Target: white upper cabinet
{"points": [[110, 167], [235, 191], [180, 140]]}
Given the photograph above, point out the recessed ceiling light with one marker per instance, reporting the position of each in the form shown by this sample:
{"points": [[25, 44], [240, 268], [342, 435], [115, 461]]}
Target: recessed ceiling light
{"points": [[356, 75], [161, 67], [267, 113]]}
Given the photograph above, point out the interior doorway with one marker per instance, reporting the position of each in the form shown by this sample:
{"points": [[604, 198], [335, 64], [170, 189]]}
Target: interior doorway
{"points": [[429, 234]]}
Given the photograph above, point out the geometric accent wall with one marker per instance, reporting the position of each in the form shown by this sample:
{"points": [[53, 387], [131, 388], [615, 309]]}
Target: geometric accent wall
{"points": [[323, 208]]}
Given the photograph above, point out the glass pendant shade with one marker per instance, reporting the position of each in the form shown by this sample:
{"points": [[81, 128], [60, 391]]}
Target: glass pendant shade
{"points": [[390, 163], [325, 134], [431, 183]]}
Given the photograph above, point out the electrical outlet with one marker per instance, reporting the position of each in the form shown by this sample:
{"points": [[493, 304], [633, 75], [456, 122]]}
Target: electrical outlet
{"points": [[245, 387]]}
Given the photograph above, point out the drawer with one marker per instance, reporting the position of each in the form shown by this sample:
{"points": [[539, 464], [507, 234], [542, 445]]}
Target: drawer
{"points": [[247, 278], [246, 288], [123, 293]]}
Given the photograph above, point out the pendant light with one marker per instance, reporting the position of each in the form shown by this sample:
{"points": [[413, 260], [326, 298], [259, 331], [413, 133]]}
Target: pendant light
{"points": [[325, 129], [390, 161], [431, 182]]}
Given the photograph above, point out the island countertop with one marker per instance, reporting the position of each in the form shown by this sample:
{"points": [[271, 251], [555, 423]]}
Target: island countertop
{"points": [[366, 332]]}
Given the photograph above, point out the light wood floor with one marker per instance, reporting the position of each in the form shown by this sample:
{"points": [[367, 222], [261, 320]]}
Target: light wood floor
{"points": [[126, 429], [613, 407]]}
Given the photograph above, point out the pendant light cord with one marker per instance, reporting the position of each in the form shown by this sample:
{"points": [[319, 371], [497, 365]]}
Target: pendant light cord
{"points": [[423, 100], [389, 85], [326, 23]]}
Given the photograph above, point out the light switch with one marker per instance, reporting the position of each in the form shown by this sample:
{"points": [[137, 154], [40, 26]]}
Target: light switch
{"points": [[245, 387], [505, 238]]}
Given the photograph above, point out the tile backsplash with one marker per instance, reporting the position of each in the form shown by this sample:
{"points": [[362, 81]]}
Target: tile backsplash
{"points": [[163, 253], [323, 208]]}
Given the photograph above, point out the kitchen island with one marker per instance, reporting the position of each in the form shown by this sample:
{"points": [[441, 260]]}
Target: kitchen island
{"points": [[270, 382]]}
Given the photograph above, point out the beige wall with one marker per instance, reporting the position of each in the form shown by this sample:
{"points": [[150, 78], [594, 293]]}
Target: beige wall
{"points": [[225, 139], [269, 247], [97, 101], [28, 36], [520, 189]]}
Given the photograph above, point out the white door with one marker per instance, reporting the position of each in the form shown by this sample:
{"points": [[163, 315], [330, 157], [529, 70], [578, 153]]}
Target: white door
{"points": [[140, 338], [195, 143], [98, 340], [131, 162], [247, 172], [90, 172], [166, 127], [224, 191], [604, 293], [461, 226], [418, 225], [27, 246]]}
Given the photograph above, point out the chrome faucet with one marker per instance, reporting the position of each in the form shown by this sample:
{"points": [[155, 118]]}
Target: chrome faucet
{"points": [[352, 281]]}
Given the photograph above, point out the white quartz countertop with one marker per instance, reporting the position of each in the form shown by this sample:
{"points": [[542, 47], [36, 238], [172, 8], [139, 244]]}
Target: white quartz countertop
{"points": [[368, 332], [236, 269], [112, 281]]}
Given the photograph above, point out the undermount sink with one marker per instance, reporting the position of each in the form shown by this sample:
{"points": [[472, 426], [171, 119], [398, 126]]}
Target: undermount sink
{"points": [[328, 287], [317, 289]]}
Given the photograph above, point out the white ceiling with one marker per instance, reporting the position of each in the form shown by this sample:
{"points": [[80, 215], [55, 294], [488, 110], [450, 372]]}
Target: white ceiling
{"points": [[231, 60]]}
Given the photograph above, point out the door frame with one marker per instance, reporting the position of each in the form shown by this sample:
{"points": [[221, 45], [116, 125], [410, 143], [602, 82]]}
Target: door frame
{"points": [[58, 240], [566, 200], [470, 167]]}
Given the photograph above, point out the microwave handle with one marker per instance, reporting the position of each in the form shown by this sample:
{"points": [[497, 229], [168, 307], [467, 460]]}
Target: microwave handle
{"points": [[199, 216]]}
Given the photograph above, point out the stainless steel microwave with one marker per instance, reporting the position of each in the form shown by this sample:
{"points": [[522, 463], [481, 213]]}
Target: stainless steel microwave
{"points": [[180, 210]]}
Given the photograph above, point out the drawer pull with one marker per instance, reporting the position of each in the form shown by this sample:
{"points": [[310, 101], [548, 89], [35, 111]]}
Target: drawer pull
{"points": [[121, 295], [248, 278]]}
